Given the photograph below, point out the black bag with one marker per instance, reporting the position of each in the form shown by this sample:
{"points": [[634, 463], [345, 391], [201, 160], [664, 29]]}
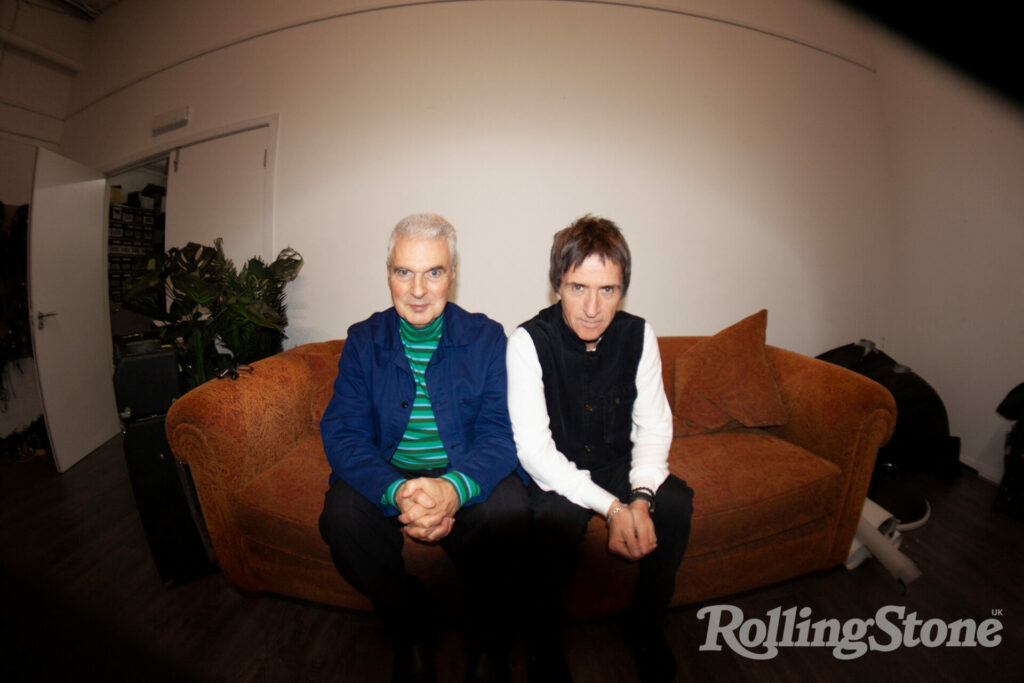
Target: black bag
{"points": [[1010, 497], [921, 438]]}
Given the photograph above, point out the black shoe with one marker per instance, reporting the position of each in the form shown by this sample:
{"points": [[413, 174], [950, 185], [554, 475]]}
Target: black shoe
{"points": [[655, 662], [489, 665], [414, 663], [548, 666]]}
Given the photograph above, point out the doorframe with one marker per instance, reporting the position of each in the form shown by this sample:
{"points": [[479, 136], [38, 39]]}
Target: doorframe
{"points": [[158, 152]]}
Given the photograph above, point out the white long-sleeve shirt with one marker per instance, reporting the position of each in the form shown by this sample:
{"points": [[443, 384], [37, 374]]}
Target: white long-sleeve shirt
{"points": [[651, 432]]}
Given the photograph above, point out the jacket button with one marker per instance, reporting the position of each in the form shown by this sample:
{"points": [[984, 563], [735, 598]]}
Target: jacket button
{"points": [[589, 408], [405, 404], [587, 448]]}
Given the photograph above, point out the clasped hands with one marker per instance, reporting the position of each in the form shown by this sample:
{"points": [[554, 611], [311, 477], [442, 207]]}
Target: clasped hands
{"points": [[631, 530], [427, 508]]}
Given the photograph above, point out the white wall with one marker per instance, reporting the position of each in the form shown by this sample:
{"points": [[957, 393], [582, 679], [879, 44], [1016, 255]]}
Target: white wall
{"points": [[958, 299], [745, 168], [752, 161]]}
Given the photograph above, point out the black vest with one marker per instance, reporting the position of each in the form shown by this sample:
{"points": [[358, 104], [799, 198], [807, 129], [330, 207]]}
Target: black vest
{"points": [[589, 394]]}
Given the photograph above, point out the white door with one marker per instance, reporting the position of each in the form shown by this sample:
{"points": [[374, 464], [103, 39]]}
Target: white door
{"points": [[219, 188], [70, 319]]}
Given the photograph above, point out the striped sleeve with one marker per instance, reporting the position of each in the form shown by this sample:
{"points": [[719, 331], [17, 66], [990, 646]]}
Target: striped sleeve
{"points": [[389, 493], [465, 487]]}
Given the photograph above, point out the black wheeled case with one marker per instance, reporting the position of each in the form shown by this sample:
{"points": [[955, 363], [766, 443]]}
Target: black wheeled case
{"points": [[167, 503]]}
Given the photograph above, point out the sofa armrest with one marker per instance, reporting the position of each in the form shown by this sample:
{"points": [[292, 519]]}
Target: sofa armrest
{"points": [[247, 424], [840, 416], [229, 431]]}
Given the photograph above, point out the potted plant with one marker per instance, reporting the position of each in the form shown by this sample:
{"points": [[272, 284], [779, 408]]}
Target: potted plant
{"points": [[203, 306]]}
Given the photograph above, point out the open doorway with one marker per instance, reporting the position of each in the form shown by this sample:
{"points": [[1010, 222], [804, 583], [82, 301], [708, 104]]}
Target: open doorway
{"points": [[136, 226], [220, 186], [75, 233]]}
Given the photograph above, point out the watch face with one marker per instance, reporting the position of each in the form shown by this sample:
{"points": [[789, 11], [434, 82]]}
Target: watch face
{"points": [[642, 494]]}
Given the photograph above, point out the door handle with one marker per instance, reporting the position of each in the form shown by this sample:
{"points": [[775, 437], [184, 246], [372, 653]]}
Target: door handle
{"points": [[42, 316]]}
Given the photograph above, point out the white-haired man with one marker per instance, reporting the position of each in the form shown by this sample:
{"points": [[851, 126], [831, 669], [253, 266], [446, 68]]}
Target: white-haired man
{"points": [[419, 441]]}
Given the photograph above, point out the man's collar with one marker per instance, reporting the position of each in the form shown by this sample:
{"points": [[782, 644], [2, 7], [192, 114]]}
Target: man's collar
{"points": [[452, 334]]}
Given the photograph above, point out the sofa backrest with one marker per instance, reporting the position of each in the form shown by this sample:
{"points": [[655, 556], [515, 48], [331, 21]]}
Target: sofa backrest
{"points": [[322, 358]]}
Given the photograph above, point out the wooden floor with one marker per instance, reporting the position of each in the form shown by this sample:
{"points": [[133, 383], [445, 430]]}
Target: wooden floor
{"points": [[81, 600]]}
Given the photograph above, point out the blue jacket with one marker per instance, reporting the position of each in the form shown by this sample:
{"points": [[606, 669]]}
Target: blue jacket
{"points": [[373, 396]]}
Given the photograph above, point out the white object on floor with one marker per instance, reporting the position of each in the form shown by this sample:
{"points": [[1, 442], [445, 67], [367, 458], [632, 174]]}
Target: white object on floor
{"points": [[879, 518], [910, 526], [877, 535]]}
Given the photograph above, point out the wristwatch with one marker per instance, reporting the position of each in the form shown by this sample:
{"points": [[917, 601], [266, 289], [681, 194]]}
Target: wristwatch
{"points": [[643, 493]]}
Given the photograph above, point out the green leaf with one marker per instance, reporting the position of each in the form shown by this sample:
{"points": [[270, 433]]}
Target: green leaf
{"points": [[194, 288], [287, 265], [208, 299]]}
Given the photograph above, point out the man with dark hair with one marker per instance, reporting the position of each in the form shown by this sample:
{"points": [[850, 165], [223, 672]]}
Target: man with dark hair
{"points": [[418, 437], [593, 429]]}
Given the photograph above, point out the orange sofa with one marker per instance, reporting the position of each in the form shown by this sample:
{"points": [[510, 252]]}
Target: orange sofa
{"points": [[770, 503]]}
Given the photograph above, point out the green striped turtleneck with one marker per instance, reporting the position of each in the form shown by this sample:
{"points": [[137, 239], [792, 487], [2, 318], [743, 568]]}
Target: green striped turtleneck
{"points": [[421, 447]]}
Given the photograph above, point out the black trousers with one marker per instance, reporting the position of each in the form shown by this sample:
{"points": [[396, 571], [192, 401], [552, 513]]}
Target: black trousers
{"points": [[486, 545], [559, 526]]}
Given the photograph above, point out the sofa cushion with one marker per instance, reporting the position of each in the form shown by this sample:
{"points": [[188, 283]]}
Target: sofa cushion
{"points": [[750, 485], [284, 502], [281, 507], [726, 381]]}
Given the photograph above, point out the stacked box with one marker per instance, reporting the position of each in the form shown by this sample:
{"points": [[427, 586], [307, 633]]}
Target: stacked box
{"points": [[133, 233]]}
